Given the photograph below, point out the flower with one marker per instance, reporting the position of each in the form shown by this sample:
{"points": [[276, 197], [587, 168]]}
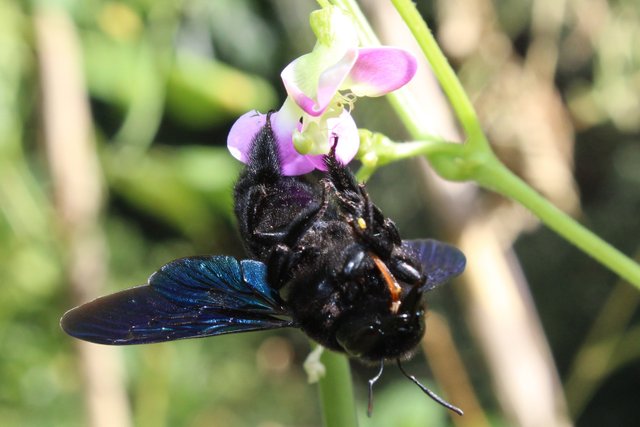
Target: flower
{"points": [[285, 125], [322, 87]]}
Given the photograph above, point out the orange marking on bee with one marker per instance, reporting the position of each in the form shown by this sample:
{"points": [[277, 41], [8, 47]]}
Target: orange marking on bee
{"points": [[392, 283]]}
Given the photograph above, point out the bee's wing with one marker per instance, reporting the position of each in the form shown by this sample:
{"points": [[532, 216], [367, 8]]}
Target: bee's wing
{"points": [[187, 298], [440, 261]]}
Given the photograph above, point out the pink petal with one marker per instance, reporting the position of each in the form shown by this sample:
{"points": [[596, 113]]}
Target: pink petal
{"points": [[249, 124], [297, 164], [380, 70], [328, 80], [291, 162], [345, 128], [242, 133], [333, 77]]}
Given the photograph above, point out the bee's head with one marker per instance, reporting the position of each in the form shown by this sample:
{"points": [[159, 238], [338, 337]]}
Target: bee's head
{"points": [[374, 333], [387, 321]]}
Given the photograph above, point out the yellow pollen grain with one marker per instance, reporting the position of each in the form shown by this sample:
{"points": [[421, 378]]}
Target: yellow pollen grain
{"points": [[362, 223]]}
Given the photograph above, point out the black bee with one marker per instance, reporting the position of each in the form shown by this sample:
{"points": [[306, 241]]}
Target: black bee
{"points": [[324, 259]]}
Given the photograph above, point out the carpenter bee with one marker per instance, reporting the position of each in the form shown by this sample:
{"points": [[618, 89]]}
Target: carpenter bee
{"points": [[323, 259]]}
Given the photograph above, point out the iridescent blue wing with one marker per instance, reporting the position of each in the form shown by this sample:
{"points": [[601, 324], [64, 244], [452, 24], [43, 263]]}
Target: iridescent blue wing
{"points": [[440, 261], [187, 298]]}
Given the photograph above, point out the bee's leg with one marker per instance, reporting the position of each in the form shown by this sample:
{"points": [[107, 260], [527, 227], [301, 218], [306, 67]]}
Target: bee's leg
{"points": [[352, 197], [294, 230], [270, 207], [281, 259], [282, 256], [257, 184], [341, 176], [263, 166]]}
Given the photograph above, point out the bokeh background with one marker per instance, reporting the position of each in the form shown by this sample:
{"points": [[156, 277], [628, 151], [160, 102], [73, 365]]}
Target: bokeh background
{"points": [[113, 122]]}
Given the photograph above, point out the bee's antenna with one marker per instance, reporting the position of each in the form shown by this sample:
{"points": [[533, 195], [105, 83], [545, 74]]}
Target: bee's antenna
{"points": [[372, 381], [427, 391]]}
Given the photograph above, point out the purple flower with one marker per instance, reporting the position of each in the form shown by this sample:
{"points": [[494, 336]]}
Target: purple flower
{"points": [[284, 126], [322, 87]]}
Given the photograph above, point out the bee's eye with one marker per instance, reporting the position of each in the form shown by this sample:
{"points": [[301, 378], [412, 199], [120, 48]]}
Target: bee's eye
{"points": [[354, 263], [406, 272]]}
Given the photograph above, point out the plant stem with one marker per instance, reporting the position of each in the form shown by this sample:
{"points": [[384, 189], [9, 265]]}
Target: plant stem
{"points": [[444, 73], [495, 176], [336, 392], [458, 162]]}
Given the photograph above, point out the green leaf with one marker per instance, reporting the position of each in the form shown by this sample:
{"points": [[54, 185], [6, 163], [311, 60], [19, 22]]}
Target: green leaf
{"points": [[188, 188], [203, 93]]}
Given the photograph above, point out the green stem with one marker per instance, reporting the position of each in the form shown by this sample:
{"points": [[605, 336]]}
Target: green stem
{"points": [[495, 176], [407, 150], [444, 73], [336, 392], [365, 172]]}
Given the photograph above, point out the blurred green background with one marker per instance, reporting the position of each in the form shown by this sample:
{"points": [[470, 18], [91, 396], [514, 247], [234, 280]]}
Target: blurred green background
{"points": [[113, 123]]}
